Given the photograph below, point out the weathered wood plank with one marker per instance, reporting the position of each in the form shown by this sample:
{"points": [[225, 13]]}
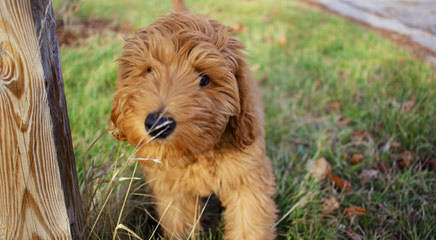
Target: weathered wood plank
{"points": [[45, 25], [32, 204]]}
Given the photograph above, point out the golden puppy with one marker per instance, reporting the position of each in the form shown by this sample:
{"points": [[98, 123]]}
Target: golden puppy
{"points": [[187, 102]]}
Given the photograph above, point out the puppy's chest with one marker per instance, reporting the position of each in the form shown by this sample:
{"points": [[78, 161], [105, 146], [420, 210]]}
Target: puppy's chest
{"points": [[200, 177]]}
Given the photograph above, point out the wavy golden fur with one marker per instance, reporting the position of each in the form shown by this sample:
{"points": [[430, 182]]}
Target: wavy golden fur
{"points": [[218, 143]]}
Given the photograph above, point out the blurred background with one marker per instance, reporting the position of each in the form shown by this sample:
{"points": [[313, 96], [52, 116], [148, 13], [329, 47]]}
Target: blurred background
{"points": [[349, 89]]}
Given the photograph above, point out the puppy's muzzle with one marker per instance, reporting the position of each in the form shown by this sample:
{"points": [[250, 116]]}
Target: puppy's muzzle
{"points": [[158, 126]]}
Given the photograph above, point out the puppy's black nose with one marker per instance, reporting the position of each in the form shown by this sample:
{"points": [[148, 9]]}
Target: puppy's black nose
{"points": [[159, 126]]}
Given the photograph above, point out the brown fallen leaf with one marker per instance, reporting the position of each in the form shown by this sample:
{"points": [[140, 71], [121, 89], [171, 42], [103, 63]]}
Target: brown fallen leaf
{"points": [[282, 40], [378, 126], [320, 168], [360, 135], [356, 158], [368, 175], [267, 38], [274, 10], [382, 167], [354, 211], [255, 67], [344, 121], [339, 182], [401, 60], [405, 159], [353, 235], [334, 107], [317, 84], [267, 19], [263, 79], [241, 28], [395, 144], [329, 205], [345, 75], [406, 106]]}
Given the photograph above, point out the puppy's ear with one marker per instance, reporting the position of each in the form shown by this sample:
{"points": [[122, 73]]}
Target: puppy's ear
{"points": [[116, 117], [244, 126]]}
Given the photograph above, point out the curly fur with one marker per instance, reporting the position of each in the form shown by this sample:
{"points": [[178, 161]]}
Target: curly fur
{"points": [[218, 145]]}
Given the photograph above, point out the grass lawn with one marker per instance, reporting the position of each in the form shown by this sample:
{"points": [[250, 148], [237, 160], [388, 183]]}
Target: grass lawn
{"points": [[332, 90]]}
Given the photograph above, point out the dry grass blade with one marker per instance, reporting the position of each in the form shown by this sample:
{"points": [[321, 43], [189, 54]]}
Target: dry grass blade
{"points": [[156, 160], [111, 190], [157, 135], [122, 227], [85, 165], [99, 213], [158, 224], [157, 120], [198, 218], [160, 125], [303, 201], [125, 200]]}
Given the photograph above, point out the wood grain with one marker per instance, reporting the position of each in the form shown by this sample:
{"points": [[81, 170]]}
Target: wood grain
{"points": [[45, 25], [32, 204]]}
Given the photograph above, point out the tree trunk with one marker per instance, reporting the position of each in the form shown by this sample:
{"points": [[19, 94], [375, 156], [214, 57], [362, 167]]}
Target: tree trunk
{"points": [[39, 195]]}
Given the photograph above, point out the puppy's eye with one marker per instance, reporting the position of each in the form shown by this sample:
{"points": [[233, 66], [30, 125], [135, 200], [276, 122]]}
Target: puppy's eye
{"points": [[204, 80], [149, 69]]}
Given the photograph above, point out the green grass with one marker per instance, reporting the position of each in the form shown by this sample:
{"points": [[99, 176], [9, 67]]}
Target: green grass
{"points": [[324, 61]]}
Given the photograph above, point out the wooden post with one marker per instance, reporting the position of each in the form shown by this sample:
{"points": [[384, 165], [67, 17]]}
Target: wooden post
{"points": [[39, 194]]}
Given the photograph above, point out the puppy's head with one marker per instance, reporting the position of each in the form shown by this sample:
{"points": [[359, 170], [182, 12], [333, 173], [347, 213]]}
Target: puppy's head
{"points": [[182, 88]]}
